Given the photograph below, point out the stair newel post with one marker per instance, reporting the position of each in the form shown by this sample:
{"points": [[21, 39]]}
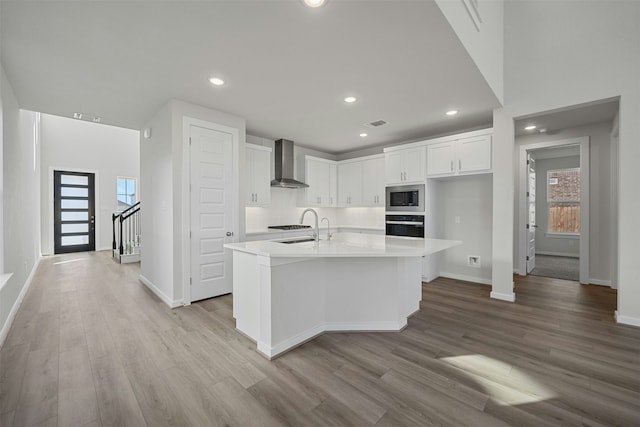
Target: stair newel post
{"points": [[121, 246], [113, 227]]}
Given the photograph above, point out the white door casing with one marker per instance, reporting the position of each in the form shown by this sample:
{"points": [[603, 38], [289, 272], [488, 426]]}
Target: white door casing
{"points": [[531, 213], [583, 142], [211, 211]]}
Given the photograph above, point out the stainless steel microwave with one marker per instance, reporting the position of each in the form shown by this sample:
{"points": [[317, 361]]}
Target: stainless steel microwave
{"points": [[405, 198]]}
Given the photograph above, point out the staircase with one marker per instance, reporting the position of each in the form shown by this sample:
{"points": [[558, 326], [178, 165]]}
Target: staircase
{"points": [[126, 235]]}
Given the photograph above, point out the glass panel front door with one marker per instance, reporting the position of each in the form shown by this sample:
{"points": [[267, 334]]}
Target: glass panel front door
{"points": [[74, 212]]}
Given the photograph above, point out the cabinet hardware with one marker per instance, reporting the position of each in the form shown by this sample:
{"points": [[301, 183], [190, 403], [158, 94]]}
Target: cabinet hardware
{"points": [[451, 165], [459, 164]]}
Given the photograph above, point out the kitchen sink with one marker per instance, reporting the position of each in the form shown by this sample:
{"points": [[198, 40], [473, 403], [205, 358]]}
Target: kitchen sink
{"points": [[288, 242]]}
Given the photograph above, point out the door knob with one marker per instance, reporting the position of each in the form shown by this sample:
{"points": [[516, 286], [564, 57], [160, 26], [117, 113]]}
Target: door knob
{"points": [[229, 233]]}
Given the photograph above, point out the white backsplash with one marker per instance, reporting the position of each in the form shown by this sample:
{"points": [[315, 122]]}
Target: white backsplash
{"points": [[284, 210]]}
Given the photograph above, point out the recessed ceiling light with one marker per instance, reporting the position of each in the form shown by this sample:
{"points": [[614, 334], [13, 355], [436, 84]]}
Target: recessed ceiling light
{"points": [[530, 127], [314, 3], [451, 112], [350, 99], [363, 134], [217, 81], [542, 130]]}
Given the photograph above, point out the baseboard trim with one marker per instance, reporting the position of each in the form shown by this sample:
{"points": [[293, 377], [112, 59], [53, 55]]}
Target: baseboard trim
{"points": [[466, 278], [16, 306], [600, 282], [558, 254], [171, 303], [627, 320], [503, 297]]}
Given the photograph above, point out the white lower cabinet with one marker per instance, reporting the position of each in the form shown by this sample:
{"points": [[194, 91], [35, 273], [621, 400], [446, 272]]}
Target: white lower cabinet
{"points": [[258, 166]]}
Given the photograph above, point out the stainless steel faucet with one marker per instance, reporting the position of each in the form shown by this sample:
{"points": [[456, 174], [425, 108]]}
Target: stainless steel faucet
{"points": [[328, 227], [316, 235]]}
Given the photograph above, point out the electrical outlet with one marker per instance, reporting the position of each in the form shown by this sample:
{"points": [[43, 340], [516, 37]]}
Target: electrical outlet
{"points": [[473, 261], [457, 219]]}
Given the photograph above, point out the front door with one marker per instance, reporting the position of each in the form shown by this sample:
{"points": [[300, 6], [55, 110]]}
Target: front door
{"points": [[531, 213], [73, 212], [211, 157]]}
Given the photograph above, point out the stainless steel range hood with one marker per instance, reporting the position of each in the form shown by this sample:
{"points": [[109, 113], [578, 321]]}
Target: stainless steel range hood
{"points": [[284, 166]]}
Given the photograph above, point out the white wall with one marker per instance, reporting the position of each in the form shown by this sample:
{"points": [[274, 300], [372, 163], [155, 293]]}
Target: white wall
{"points": [[74, 145], [552, 244], [470, 199], [484, 39], [600, 194], [564, 53], [156, 197], [20, 199]]}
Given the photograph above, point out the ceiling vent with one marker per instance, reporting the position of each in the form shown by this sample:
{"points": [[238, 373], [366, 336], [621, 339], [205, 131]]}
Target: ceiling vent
{"points": [[377, 123]]}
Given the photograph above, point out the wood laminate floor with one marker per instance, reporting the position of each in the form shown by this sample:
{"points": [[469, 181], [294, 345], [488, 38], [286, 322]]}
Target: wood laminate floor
{"points": [[91, 346]]}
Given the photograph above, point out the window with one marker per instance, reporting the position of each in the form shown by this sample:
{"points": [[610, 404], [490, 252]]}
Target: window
{"points": [[563, 199], [126, 193]]}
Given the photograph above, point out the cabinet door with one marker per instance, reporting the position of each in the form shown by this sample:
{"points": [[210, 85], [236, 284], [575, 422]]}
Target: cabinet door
{"points": [[440, 159], [393, 167], [474, 154], [261, 175], [350, 184], [333, 186], [318, 179], [373, 182], [414, 164]]}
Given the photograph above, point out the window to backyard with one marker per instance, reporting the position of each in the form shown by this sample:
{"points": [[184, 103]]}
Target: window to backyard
{"points": [[563, 198]]}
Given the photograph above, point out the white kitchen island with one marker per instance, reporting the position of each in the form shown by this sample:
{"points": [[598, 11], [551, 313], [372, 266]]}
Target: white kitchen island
{"points": [[285, 294]]}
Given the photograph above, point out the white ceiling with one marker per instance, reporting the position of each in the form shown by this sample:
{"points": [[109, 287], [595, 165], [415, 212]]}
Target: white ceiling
{"points": [[288, 67], [579, 115]]}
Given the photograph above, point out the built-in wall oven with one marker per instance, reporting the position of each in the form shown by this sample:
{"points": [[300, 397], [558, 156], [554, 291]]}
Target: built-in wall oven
{"points": [[405, 225], [405, 198]]}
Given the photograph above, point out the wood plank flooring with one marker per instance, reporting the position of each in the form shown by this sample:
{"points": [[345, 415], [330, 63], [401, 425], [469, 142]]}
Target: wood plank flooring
{"points": [[91, 346]]}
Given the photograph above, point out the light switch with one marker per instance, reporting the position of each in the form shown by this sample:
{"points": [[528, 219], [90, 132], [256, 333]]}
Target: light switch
{"points": [[457, 219]]}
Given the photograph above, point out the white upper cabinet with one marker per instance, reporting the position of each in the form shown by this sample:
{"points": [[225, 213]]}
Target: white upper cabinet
{"points": [[258, 166], [373, 180], [459, 155], [321, 177], [404, 166], [350, 183]]}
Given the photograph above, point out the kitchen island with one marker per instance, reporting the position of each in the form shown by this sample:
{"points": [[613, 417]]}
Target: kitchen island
{"points": [[287, 293]]}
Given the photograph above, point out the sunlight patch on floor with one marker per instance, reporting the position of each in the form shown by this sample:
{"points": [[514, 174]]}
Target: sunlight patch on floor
{"points": [[522, 388], [68, 261]]}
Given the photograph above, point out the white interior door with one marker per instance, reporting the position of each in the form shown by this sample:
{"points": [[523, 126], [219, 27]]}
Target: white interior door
{"points": [[531, 209], [211, 225]]}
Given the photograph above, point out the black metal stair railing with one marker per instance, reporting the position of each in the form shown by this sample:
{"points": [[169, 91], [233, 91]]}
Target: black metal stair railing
{"points": [[126, 230]]}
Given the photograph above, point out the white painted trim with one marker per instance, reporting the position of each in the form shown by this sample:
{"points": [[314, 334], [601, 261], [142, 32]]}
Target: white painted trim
{"points": [[171, 303], [503, 297], [16, 306], [583, 142], [465, 278], [627, 320], [96, 192], [566, 255], [187, 122], [311, 333], [600, 282]]}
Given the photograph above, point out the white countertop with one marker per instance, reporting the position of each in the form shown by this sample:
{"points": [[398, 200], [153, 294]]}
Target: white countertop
{"points": [[347, 245]]}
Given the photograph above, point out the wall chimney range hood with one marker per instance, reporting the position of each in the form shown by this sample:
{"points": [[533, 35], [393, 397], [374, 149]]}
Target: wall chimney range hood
{"points": [[284, 166]]}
